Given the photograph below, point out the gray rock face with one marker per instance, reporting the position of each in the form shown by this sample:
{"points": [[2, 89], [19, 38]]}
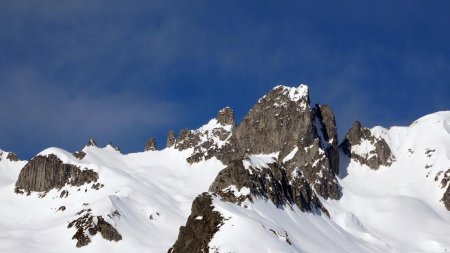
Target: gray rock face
{"points": [[170, 139], [379, 155], [276, 123], [313, 163], [44, 173], [326, 128], [271, 183], [150, 145], [200, 228]]}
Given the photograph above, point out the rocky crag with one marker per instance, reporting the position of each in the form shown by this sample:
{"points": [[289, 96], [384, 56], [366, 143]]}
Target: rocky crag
{"points": [[362, 146], [44, 173], [283, 151]]}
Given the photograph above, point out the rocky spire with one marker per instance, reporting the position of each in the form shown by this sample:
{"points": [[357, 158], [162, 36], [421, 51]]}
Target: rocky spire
{"points": [[150, 145], [226, 116], [170, 139], [91, 142]]}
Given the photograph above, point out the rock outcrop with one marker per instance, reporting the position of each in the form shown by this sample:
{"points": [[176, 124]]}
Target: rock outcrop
{"points": [[150, 145], [79, 155], [200, 228], [44, 173], [12, 157], [87, 225], [362, 146]]}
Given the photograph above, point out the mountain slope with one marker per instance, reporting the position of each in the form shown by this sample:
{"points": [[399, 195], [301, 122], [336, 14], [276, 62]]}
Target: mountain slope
{"points": [[146, 195], [400, 205], [276, 182]]}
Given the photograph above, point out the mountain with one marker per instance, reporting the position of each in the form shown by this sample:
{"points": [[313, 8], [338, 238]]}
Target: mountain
{"points": [[279, 181]]}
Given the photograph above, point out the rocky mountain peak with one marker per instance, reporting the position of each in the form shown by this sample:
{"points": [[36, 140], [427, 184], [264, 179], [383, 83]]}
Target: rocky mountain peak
{"points": [[364, 147], [277, 122], [297, 145]]}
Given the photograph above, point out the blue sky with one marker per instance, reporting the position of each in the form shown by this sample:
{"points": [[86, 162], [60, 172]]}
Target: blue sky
{"points": [[125, 71]]}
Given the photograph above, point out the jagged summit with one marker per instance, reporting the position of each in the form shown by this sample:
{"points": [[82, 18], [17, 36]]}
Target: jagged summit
{"points": [[294, 93], [281, 94], [226, 116]]}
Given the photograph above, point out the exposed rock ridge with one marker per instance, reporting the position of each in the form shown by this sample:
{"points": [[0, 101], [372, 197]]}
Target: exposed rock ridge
{"points": [[44, 173], [214, 139], [362, 146]]}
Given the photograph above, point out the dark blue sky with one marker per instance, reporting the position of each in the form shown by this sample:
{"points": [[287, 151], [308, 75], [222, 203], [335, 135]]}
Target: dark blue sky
{"points": [[128, 70]]}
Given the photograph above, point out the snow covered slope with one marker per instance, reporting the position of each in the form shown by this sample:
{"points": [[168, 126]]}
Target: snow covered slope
{"points": [[400, 206], [151, 191]]}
